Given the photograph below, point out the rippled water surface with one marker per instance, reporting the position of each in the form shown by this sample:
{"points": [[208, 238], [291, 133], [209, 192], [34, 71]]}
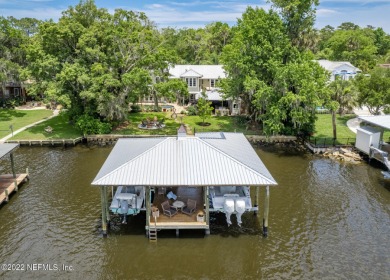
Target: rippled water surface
{"points": [[328, 220]]}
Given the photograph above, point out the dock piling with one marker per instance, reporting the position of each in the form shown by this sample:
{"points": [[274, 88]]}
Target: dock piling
{"points": [[266, 211], [256, 201], [104, 221]]}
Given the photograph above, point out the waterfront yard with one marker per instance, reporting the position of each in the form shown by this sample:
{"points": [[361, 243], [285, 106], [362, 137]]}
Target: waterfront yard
{"points": [[324, 129], [224, 123], [19, 119], [62, 129]]}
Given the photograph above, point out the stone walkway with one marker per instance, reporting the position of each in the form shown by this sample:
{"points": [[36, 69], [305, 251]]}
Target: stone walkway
{"points": [[2, 140]]}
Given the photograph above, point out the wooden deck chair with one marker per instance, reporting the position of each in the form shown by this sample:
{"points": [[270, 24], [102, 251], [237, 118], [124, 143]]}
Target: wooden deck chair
{"points": [[190, 208], [168, 210]]}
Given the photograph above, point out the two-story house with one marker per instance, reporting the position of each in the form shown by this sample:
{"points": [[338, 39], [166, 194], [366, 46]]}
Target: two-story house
{"points": [[344, 69], [205, 78], [12, 90]]}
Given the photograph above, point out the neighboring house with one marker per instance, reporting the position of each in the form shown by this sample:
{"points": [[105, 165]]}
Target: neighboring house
{"points": [[205, 78], [12, 90], [344, 69]]}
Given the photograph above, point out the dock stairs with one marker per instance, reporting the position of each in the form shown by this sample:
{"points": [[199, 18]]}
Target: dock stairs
{"points": [[153, 231]]}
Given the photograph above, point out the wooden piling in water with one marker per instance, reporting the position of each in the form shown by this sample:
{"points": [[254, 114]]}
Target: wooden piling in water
{"points": [[106, 206], [148, 206], [256, 200], [207, 202], [11, 155], [104, 220], [266, 211]]}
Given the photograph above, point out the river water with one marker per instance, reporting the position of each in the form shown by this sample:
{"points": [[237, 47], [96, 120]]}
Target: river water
{"points": [[328, 220]]}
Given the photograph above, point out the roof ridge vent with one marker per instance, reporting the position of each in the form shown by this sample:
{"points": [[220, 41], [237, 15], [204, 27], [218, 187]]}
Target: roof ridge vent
{"points": [[182, 132]]}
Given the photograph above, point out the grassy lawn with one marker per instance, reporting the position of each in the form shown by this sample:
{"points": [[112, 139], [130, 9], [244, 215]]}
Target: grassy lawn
{"points": [[19, 119], [61, 130], [228, 124], [134, 119], [323, 126], [222, 123]]}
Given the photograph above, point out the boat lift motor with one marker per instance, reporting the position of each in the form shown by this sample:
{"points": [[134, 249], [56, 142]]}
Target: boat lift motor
{"points": [[240, 209], [228, 207]]}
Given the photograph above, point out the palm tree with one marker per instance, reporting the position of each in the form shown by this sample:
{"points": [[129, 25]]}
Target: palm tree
{"points": [[343, 98]]}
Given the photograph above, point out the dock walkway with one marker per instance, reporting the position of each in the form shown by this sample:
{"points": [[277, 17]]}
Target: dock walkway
{"points": [[8, 184]]}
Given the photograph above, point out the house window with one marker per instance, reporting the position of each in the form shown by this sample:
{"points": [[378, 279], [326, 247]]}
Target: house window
{"points": [[191, 82], [6, 94], [16, 92], [212, 82], [344, 75]]}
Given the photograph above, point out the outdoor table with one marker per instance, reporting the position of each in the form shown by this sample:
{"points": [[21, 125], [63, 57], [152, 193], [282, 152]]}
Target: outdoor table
{"points": [[178, 204]]}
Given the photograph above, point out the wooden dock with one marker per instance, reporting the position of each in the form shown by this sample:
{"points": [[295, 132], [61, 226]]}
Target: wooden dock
{"points": [[180, 220], [8, 184], [50, 142]]}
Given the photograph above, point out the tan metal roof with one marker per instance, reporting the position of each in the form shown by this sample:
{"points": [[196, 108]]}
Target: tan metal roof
{"points": [[190, 162]]}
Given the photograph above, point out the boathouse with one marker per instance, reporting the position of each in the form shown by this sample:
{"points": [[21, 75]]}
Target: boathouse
{"points": [[179, 180], [10, 182], [369, 139]]}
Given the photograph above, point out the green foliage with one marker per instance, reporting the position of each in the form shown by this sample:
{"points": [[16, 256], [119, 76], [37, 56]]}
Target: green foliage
{"points": [[374, 90], [94, 62], [299, 18], [88, 125], [355, 46], [135, 108], [204, 108], [191, 111], [198, 46], [343, 96], [277, 84]]}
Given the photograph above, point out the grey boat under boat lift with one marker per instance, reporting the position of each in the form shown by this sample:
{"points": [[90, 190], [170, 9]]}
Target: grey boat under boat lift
{"points": [[369, 140], [215, 170]]}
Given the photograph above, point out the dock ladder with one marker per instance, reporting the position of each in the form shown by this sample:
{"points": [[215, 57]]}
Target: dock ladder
{"points": [[153, 231]]}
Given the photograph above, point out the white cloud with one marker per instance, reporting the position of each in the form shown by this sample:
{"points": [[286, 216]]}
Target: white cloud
{"points": [[38, 13], [376, 16], [326, 12]]}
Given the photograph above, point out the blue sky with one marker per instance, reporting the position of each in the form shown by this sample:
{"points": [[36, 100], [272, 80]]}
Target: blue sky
{"points": [[195, 13]]}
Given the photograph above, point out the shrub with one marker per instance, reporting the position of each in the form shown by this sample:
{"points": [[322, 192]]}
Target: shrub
{"points": [[191, 111], [135, 108], [90, 125]]}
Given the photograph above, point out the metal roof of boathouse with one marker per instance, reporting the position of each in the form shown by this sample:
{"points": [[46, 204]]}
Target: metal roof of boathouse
{"points": [[7, 148], [208, 159], [381, 121]]}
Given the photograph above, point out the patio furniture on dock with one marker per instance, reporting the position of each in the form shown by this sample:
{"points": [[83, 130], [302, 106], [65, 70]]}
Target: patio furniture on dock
{"points": [[190, 208], [168, 210]]}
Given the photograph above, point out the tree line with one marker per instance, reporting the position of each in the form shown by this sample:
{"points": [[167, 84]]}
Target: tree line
{"points": [[97, 64]]}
